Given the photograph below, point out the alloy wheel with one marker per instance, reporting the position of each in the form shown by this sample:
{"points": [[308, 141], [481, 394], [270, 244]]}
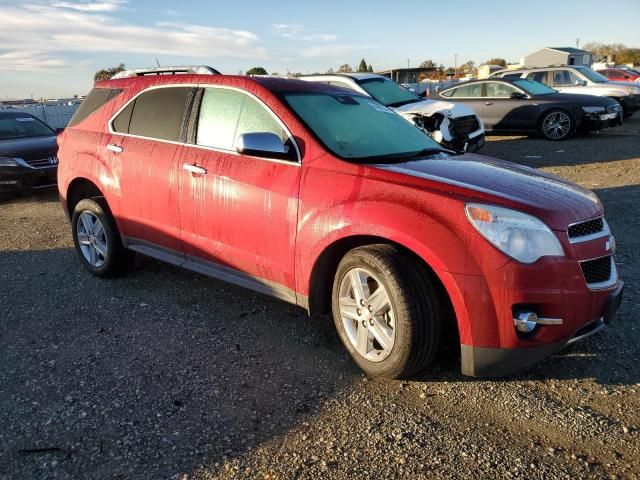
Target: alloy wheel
{"points": [[556, 125], [367, 314], [92, 239]]}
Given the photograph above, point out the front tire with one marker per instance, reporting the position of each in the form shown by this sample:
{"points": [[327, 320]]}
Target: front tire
{"points": [[557, 125], [386, 311], [97, 240]]}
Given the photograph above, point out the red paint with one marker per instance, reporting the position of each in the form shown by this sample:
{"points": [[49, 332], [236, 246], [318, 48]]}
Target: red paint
{"points": [[620, 75], [274, 220]]}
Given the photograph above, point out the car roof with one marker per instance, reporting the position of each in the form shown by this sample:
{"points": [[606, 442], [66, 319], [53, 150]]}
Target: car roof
{"points": [[274, 84], [349, 75]]}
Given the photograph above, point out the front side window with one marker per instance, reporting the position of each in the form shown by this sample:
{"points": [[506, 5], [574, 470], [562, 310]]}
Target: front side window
{"points": [[157, 113], [23, 126], [355, 127], [466, 91], [387, 92], [226, 114], [499, 90], [564, 78]]}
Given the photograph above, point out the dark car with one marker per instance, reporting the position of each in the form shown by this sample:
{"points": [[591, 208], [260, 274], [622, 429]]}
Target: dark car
{"points": [[524, 106], [28, 152]]}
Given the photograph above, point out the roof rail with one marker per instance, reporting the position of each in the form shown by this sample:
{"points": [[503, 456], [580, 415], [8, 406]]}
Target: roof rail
{"points": [[178, 69]]}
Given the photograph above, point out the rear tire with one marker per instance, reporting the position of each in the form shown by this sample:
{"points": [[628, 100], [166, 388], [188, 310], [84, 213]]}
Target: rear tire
{"points": [[399, 336], [97, 240], [557, 125]]}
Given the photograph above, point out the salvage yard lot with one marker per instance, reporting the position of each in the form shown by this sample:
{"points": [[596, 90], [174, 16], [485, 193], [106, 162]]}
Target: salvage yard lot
{"points": [[168, 374]]}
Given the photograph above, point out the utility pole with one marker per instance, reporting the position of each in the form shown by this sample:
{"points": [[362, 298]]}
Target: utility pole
{"points": [[577, 43], [407, 63], [455, 65]]}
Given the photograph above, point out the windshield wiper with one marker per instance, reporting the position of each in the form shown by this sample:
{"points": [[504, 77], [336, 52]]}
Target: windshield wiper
{"points": [[401, 157], [404, 102]]}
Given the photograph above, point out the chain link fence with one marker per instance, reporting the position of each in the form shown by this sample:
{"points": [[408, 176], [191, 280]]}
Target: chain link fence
{"points": [[56, 116]]}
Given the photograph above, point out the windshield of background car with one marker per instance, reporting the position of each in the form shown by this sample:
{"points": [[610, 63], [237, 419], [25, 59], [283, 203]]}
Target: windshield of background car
{"points": [[23, 127], [388, 92], [592, 75], [534, 88], [357, 127]]}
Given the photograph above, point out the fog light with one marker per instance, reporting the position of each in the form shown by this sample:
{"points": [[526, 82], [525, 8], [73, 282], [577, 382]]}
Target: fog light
{"points": [[525, 322]]}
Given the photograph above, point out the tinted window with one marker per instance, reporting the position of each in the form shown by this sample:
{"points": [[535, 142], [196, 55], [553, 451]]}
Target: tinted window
{"points": [[219, 114], [537, 77], [564, 77], [22, 126], [472, 90], [96, 98], [357, 127], [120, 124], [159, 113], [499, 90], [535, 88], [511, 75]]}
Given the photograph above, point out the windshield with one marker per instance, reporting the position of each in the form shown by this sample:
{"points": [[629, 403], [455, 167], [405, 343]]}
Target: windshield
{"points": [[534, 88], [388, 92], [23, 127], [592, 75], [357, 127]]}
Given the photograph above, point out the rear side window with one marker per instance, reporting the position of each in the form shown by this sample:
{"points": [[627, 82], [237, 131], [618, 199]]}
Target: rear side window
{"points": [[466, 91], [158, 113], [96, 99], [537, 77]]}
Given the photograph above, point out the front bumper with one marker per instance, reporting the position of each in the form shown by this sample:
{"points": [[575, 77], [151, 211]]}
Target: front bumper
{"points": [[21, 178], [496, 362], [600, 121]]}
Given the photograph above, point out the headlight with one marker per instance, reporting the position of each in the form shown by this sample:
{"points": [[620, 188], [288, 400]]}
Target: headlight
{"points": [[8, 162], [516, 234], [593, 109]]}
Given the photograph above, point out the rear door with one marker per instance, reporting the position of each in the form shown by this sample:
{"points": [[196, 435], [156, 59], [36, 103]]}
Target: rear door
{"points": [[238, 212], [146, 143]]}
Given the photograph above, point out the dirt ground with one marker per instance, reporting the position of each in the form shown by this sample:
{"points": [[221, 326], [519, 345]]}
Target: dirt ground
{"points": [[168, 374]]}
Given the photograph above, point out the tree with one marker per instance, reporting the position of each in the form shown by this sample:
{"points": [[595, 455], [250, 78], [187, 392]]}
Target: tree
{"points": [[470, 66], [619, 52], [363, 66], [370, 68], [257, 71], [427, 64], [345, 68], [496, 61], [107, 73], [330, 71]]}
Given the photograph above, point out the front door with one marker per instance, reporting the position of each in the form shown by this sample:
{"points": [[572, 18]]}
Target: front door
{"points": [[239, 213]]}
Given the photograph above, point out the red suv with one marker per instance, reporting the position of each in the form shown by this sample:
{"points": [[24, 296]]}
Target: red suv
{"points": [[327, 199]]}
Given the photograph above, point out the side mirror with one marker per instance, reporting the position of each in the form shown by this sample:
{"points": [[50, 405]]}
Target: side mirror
{"points": [[580, 83], [261, 144], [517, 95]]}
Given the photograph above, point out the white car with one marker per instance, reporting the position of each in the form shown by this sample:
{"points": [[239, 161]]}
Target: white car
{"points": [[452, 125], [580, 80]]}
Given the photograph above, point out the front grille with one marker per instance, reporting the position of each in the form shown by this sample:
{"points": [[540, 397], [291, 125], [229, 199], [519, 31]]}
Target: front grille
{"points": [[464, 125], [598, 270], [42, 162], [589, 227]]}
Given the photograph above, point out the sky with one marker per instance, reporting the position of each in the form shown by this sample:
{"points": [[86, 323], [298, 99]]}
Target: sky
{"points": [[52, 48]]}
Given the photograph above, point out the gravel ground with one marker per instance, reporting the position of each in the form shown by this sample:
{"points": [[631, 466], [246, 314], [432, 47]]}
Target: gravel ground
{"points": [[168, 374]]}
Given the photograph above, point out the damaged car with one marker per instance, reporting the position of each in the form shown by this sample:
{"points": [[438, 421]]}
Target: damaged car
{"points": [[452, 125]]}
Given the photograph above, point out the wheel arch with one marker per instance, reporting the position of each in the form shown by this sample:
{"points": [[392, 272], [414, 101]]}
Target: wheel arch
{"points": [[78, 189], [326, 265]]}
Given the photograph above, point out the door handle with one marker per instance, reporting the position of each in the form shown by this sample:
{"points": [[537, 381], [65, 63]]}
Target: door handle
{"points": [[488, 103], [195, 169], [114, 148]]}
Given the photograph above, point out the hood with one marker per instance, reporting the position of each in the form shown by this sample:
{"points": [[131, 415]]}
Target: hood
{"points": [[555, 201], [29, 148], [580, 99], [628, 86], [429, 107]]}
